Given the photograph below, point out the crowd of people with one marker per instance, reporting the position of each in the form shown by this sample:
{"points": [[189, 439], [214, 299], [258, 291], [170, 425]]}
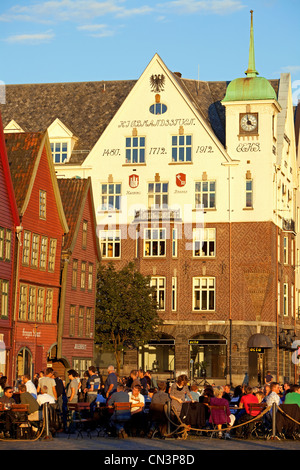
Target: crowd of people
{"points": [[143, 392]]}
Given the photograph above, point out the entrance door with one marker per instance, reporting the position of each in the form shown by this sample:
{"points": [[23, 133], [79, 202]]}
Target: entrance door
{"points": [[256, 367], [24, 363]]}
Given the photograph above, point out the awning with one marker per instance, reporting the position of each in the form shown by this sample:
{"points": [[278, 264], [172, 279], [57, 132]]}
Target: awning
{"points": [[259, 341]]}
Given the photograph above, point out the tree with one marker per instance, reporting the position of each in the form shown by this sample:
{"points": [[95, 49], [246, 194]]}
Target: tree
{"points": [[126, 309]]}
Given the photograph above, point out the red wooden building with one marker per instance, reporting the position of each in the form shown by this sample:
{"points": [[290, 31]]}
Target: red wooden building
{"points": [[80, 258], [38, 254], [9, 225]]}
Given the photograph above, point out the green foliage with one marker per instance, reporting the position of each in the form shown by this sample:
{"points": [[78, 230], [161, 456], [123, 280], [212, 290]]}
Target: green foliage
{"points": [[126, 309]]}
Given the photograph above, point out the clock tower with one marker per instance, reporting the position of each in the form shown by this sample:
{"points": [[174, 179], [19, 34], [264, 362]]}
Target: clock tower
{"points": [[251, 111]]}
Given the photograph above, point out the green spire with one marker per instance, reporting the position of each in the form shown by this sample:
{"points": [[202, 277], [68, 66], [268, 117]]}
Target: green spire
{"points": [[251, 72]]}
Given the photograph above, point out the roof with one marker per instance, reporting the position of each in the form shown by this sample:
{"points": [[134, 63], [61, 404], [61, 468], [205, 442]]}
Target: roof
{"points": [[24, 151], [87, 108], [7, 176], [250, 88], [74, 193]]}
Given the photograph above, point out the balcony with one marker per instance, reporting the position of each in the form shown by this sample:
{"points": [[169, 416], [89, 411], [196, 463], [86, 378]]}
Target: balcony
{"points": [[288, 225], [157, 215]]}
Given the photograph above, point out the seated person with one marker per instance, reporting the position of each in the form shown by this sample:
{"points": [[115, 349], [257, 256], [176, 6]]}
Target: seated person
{"points": [[137, 401], [293, 397], [119, 417], [8, 415], [26, 398], [44, 396], [220, 417], [157, 414]]}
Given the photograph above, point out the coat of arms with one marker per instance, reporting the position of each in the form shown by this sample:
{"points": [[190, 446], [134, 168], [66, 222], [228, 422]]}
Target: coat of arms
{"points": [[157, 82], [134, 181], [180, 179]]}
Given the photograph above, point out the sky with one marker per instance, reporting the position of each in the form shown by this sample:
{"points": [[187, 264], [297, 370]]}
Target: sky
{"points": [[44, 41]]}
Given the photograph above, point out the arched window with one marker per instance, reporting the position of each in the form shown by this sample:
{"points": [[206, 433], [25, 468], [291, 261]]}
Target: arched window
{"points": [[24, 362]]}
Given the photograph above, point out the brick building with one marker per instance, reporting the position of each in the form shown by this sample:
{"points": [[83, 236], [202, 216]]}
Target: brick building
{"points": [[197, 182]]}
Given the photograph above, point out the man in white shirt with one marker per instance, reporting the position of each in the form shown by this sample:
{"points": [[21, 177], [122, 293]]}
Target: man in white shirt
{"points": [[30, 387], [44, 396]]}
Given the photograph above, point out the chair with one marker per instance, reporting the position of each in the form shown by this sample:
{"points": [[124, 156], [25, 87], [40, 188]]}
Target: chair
{"points": [[257, 428], [287, 419], [158, 420], [218, 415], [121, 415], [21, 424], [80, 418]]}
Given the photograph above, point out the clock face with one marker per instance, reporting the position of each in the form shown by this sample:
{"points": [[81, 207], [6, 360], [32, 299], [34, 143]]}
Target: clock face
{"points": [[249, 122]]}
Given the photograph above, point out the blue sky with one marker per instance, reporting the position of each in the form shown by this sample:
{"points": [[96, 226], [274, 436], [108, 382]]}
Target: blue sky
{"points": [[85, 40]]}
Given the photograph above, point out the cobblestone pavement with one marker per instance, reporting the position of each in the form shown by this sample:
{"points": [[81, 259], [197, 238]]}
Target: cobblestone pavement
{"points": [[143, 447]]}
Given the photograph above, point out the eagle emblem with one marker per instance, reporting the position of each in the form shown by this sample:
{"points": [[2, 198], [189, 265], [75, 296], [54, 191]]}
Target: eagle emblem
{"points": [[157, 82]]}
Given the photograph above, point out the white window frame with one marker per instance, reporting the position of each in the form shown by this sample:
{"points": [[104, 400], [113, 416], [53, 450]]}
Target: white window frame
{"points": [[135, 149], [180, 148], [205, 196], [159, 283], [111, 194], [203, 241], [110, 242], [203, 287], [155, 242], [158, 195]]}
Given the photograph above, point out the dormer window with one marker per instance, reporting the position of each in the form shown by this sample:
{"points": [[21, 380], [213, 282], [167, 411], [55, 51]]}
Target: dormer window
{"points": [[59, 151], [62, 141]]}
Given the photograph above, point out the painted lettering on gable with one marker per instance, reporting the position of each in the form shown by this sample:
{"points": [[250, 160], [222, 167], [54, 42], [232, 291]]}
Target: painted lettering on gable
{"points": [[158, 123]]}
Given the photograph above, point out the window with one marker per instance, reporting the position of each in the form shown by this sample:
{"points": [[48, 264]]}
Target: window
{"points": [[174, 294], [135, 149], [84, 234], [43, 254], [82, 275], [205, 194], [72, 320], [1, 243], [80, 321], [158, 195], [110, 196], [74, 273], [90, 277], [88, 325], [159, 284], [174, 242], [158, 108], [8, 245], [59, 151], [49, 306], [204, 242], [204, 293], [181, 148], [31, 303], [23, 302], [52, 254], [110, 241], [285, 250], [26, 248], [285, 299], [249, 193], [40, 304], [35, 250], [4, 298], [155, 242], [42, 208]]}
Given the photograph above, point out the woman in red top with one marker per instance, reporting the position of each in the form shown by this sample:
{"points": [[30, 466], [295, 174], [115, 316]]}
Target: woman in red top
{"points": [[249, 398]]}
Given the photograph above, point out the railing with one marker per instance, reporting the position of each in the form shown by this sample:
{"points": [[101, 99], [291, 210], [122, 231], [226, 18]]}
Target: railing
{"points": [[157, 214]]}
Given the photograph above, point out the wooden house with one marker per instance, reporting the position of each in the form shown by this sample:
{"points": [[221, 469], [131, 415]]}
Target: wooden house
{"points": [[43, 225]]}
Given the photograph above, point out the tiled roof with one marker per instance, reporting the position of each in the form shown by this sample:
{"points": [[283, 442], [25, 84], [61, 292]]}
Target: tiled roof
{"points": [[73, 193], [22, 150], [86, 108]]}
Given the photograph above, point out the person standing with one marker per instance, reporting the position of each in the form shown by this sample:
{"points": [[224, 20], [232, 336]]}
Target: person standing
{"points": [[72, 388], [30, 387], [49, 382], [93, 384], [111, 382]]}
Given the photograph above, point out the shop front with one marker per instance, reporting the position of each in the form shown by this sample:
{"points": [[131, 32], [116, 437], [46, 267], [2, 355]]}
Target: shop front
{"points": [[207, 357]]}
